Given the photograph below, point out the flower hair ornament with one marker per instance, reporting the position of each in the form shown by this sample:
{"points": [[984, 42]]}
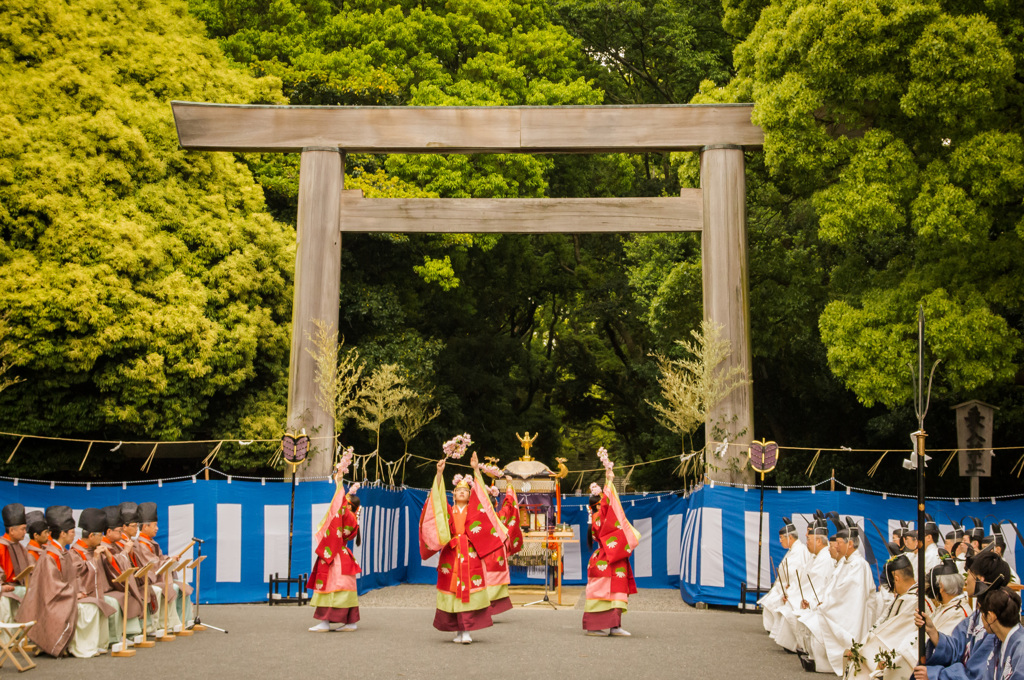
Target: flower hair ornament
{"points": [[354, 489], [595, 490], [462, 480], [494, 491]]}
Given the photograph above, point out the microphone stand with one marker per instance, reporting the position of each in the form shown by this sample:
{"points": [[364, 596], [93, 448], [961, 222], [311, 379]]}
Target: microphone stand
{"points": [[196, 623]]}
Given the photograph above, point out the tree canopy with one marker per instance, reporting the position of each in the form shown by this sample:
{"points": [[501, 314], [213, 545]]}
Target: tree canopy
{"points": [[147, 290]]}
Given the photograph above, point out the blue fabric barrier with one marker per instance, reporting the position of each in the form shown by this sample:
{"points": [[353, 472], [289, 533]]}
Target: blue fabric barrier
{"points": [[704, 544], [719, 541]]}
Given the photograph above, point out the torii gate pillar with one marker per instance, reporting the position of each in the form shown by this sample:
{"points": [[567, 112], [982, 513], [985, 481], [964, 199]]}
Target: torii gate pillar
{"points": [[317, 290], [726, 299]]}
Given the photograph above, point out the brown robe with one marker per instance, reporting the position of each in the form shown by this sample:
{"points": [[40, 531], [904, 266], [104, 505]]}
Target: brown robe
{"points": [[35, 551], [92, 580], [52, 601], [112, 568], [19, 558], [147, 550]]}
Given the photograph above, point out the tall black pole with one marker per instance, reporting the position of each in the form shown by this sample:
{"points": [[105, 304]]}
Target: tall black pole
{"points": [[291, 528], [760, 530], [919, 448]]}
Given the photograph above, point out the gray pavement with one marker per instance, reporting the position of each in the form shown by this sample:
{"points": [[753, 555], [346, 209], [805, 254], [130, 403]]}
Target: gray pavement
{"points": [[396, 640]]}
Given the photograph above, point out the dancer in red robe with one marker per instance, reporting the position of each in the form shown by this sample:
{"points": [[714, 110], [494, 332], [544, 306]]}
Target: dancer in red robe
{"points": [[464, 534], [496, 571], [333, 578], [609, 575]]}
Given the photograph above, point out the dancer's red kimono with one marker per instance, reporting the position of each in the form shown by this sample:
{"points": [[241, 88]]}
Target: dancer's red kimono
{"points": [[333, 578], [496, 573], [609, 575], [464, 537]]}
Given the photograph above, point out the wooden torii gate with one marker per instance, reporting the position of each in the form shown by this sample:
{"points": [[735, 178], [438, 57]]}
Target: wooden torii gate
{"points": [[324, 134]]}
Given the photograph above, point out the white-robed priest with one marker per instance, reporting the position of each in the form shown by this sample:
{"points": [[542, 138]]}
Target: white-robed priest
{"points": [[793, 563], [843, 616], [806, 586], [891, 645], [951, 601]]}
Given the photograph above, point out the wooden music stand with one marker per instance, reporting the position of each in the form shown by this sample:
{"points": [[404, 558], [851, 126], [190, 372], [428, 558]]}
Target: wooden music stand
{"points": [[196, 565], [23, 577], [164, 571], [181, 593], [125, 578], [143, 575]]}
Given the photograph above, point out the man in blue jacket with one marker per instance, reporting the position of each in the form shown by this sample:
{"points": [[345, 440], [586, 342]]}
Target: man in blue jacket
{"points": [[963, 655]]}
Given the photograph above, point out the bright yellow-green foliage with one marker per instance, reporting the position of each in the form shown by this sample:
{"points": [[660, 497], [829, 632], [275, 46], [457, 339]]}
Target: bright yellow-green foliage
{"points": [[145, 286]]}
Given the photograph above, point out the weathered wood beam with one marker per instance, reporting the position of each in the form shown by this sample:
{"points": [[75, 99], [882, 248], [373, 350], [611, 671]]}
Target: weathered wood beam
{"points": [[317, 291], [521, 215], [727, 300], [481, 129]]}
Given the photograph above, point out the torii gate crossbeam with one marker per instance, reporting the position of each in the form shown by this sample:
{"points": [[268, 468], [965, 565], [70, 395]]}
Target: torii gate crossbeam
{"points": [[323, 134]]}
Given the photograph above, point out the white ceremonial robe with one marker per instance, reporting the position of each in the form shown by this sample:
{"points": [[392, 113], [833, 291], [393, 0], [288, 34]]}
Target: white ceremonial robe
{"points": [[952, 613], [794, 561], [895, 631], [814, 578], [842, 617], [931, 558]]}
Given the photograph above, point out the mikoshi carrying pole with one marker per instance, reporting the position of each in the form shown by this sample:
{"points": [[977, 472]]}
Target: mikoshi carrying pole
{"points": [[763, 456]]}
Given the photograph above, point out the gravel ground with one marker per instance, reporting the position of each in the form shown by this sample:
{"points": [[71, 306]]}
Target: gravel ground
{"points": [[396, 640]]}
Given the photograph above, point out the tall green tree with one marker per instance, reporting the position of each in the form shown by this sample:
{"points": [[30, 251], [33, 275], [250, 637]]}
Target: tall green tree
{"points": [[146, 288], [893, 131]]}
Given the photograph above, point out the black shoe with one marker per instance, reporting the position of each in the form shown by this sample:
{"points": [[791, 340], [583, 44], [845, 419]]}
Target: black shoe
{"points": [[807, 663]]}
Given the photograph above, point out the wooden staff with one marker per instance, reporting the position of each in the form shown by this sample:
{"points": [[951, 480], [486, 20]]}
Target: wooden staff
{"points": [[811, 583], [801, 586]]}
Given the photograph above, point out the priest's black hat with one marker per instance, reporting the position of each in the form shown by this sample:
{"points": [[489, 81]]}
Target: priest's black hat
{"points": [[897, 561], [147, 513], [113, 514], [978, 532], [59, 518], [788, 528], [957, 533], [946, 567], [818, 528], [92, 521], [129, 513], [35, 522], [930, 527], [854, 528], [981, 587], [13, 514], [997, 536]]}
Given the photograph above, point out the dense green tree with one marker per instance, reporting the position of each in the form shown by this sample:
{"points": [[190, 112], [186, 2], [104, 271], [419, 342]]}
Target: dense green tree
{"points": [[893, 131], [146, 289]]}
